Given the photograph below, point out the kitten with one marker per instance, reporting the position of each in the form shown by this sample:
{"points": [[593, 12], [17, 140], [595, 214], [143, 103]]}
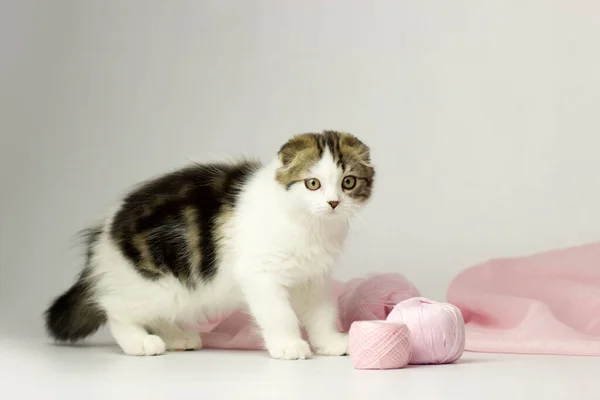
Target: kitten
{"points": [[209, 239]]}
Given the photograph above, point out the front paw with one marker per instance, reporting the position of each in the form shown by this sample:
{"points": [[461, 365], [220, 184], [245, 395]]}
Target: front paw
{"points": [[183, 341], [289, 349], [331, 345]]}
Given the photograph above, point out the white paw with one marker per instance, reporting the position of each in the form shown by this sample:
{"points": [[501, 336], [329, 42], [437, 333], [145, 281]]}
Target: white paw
{"points": [[290, 349], [154, 345], [185, 341], [332, 345], [151, 345]]}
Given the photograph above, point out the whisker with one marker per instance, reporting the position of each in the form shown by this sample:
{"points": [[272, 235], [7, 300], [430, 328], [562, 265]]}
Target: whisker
{"points": [[354, 209]]}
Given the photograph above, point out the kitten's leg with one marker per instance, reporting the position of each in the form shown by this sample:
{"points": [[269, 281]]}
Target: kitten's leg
{"points": [[135, 340], [270, 306], [319, 316], [176, 338]]}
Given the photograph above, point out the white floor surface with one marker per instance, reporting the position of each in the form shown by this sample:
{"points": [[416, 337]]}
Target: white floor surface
{"points": [[98, 371]]}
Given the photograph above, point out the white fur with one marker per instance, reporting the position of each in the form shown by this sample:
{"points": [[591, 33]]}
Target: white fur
{"points": [[280, 247]]}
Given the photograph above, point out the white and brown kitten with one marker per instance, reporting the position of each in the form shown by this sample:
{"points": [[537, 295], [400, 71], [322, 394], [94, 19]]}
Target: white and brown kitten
{"points": [[208, 239]]}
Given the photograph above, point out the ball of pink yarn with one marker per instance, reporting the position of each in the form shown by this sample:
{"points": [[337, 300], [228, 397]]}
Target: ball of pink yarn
{"points": [[379, 345], [373, 297], [437, 330]]}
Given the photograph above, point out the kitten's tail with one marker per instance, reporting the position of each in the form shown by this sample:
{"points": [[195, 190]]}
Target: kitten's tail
{"points": [[74, 315]]}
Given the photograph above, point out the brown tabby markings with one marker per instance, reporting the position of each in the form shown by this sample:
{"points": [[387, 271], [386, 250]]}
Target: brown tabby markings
{"points": [[145, 265], [301, 152], [174, 224], [297, 156], [193, 236]]}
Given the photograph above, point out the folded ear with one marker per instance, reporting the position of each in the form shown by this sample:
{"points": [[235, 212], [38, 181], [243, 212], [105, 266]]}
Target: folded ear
{"points": [[297, 156], [353, 144], [299, 145]]}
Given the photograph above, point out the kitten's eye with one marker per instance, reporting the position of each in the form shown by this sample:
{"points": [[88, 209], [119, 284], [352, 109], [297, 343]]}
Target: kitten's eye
{"points": [[312, 184], [349, 182]]}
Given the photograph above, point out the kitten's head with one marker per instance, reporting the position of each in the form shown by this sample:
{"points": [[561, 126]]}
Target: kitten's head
{"points": [[329, 173]]}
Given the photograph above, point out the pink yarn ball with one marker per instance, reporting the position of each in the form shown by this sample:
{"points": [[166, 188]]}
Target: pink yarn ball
{"points": [[437, 330], [379, 345], [373, 297]]}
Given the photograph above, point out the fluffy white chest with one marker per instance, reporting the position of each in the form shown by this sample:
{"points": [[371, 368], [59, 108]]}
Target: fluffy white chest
{"points": [[293, 253]]}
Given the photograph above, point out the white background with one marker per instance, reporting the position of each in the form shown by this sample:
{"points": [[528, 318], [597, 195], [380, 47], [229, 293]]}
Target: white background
{"points": [[482, 117]]}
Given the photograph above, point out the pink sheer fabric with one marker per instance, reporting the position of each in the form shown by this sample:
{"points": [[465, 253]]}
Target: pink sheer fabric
{"points": [[547, 303]]}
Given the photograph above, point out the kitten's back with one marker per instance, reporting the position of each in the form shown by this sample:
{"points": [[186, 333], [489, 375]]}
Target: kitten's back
{"points": [[170, 225]]}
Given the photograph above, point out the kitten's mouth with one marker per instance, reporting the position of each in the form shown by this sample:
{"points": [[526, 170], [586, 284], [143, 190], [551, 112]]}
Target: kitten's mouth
{"points": [[331, 213]]}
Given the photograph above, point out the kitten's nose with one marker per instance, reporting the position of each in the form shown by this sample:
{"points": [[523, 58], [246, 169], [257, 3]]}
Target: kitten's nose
{"points": [[333, 204]]}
